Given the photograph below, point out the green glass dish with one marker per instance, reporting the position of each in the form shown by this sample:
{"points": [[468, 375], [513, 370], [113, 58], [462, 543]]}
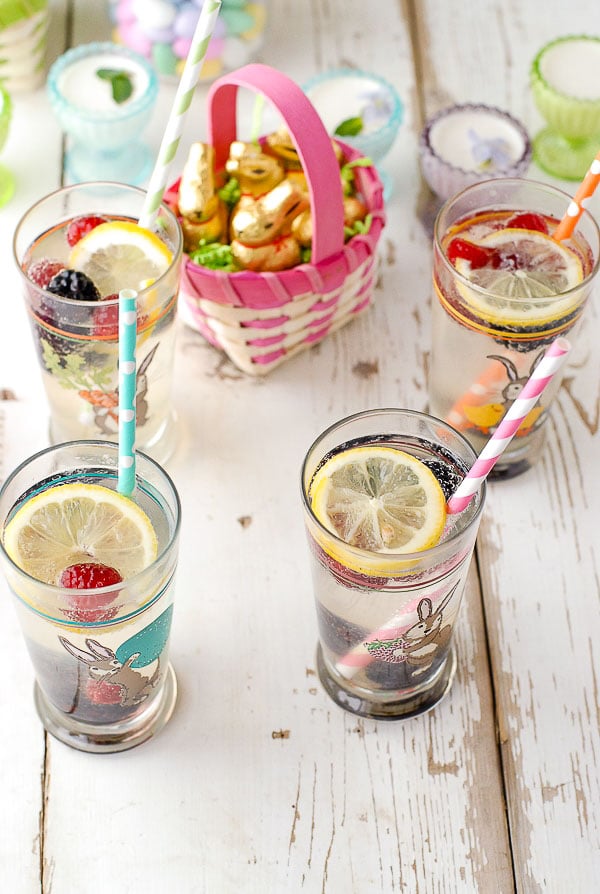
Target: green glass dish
{"points": [[7, 181], [565, 83]]}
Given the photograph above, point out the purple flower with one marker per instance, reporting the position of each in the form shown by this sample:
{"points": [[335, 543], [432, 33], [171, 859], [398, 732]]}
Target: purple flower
{"points": [[489, 154]]}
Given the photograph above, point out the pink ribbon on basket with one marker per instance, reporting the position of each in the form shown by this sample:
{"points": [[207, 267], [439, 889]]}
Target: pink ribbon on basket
{"points": [[532, 391]]}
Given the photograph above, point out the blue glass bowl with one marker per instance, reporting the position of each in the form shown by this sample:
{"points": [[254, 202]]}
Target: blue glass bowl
{"points": [[378, 104], [105, 143]]}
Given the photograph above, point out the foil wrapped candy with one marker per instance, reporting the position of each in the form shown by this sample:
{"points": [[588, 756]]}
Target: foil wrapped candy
{"points": [[269, 223]]}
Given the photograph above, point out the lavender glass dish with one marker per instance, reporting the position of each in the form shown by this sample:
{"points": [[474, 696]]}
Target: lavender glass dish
{"points": [[464, 144]]}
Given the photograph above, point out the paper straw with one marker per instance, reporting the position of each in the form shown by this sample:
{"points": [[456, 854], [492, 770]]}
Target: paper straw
{"points": [[579, 202], [183, 99], [532, 391], [127, 389]]}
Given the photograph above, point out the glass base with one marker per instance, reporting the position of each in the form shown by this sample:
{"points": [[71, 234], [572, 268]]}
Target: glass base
{"points": [[105, 739], [131, 164], [7, 185], [568, 159], [398, 705], [161, 447]]}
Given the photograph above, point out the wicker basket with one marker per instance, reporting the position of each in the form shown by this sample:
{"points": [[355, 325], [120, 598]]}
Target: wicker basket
{"points": [[261, 319]]}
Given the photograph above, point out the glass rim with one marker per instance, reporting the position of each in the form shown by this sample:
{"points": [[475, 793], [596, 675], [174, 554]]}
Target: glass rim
{"points": [[426, 147], [491, 205], [401, 558], [536, 69], [130, 581], [86, 185]]}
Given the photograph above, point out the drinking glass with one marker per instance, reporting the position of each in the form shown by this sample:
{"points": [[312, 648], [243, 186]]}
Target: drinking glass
{"points": [[486, 341], [77, 341], [103, 681], [386, 623]]}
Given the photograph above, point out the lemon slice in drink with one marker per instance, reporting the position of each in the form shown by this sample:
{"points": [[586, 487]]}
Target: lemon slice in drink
{"points": [[78, 522], [378, 499], [528, 282], [119, 255]]}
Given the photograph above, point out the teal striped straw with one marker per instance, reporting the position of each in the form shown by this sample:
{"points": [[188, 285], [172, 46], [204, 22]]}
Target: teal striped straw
{"points": [[127, 389]]}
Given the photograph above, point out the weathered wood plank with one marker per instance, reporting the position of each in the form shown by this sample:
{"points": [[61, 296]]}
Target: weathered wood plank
{"points": [[538, 546]]}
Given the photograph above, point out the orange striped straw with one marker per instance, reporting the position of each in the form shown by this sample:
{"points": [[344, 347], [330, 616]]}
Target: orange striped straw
{"points": [[579, 202]]}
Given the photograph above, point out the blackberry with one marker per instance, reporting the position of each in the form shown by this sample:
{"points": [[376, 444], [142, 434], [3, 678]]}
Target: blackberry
{"points": [[448, 479], [73, 284]]}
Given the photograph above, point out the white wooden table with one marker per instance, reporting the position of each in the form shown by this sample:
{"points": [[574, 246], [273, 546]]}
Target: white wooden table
{"points": [[260, 783]]}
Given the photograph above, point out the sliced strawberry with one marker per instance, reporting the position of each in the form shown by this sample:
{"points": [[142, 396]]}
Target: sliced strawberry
{"points": [[81, 226], [469, 251], [88, 607], [528, 221]]}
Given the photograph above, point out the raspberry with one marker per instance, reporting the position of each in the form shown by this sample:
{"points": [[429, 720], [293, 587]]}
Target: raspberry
{"points": [[42, 271], [106, 319], [475, 254], [73, 284], [81, 226], [528, 221], [89, 576], [89, 608], [101, 692]]}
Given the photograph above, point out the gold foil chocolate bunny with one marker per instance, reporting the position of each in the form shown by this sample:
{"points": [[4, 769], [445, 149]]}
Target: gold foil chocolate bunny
{"points": [[260, 228], [255, 171], [204, 215], [302, 229]]}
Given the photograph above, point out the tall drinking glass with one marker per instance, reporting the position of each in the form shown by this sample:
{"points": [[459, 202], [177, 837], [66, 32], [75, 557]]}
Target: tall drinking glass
{"points": [[75, 325], [100, 655], [503, 289], [386, 620]]}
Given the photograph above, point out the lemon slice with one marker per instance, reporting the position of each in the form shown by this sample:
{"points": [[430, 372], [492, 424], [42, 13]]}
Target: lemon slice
{"points": [[119, 255], [378, 499], [528, 286], [76, 522]]}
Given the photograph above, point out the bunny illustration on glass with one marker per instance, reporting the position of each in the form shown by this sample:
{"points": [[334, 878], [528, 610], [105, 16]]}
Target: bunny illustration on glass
{"points": [[126, 685], [422, 642], [487, 417]]}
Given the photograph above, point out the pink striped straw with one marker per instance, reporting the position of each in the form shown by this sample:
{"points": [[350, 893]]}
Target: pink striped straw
{"points": [[532, 391]]}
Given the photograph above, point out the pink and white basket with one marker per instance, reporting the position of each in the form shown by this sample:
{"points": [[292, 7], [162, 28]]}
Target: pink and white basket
{"points": [[260, 319]]}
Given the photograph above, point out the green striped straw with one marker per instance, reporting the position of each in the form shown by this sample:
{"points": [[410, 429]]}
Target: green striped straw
{"points": [[127, 389], [183, 99]]}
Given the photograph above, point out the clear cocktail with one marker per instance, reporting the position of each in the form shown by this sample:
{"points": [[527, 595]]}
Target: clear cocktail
{"points": [[92, 572], [76, 249], [388, 564], [503, 290]]}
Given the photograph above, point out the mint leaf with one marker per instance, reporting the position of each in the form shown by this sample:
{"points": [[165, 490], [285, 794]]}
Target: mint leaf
{"points": [[349, 128], [120, 81]]}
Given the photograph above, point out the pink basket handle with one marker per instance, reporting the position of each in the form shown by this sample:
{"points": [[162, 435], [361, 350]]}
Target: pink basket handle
{"points": [[310, 138]]}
